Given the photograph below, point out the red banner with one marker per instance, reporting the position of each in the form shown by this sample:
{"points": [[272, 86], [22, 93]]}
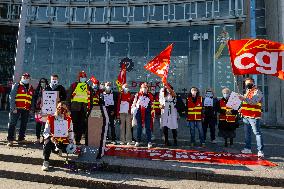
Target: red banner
{"points": [[257, 56], [185, 155], [94, 80], [160, 64], [121, 79]]}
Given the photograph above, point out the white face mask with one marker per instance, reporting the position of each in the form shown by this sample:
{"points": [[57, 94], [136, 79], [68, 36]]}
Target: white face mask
{"points": [[83, 79], [108, 88], [194, 93], [144, 90], [125, 90], [25, 81], [54, 82], [226, 95]]}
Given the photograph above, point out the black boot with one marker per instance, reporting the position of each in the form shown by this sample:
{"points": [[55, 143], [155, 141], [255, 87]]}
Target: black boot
{"points": [[231, 141], [226, 142], [174, 131], [166, 135]]}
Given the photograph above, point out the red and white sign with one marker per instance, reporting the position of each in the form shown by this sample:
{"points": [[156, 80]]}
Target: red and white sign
{"points": [[257, 56], [185, 155]]}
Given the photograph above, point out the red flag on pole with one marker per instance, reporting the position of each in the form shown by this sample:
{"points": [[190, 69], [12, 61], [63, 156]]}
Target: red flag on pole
{"points": [[121, 79], [161, 63], [257, 56], [94, 80]]}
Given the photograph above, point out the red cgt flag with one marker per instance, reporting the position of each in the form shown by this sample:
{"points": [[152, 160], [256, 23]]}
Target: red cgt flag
{"points": [[121, 79], [257, 56], [161, 63], [94, 80]]}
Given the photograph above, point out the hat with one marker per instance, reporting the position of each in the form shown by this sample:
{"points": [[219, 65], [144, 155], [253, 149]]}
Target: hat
{"points": [[26, 75], [82, 74]]}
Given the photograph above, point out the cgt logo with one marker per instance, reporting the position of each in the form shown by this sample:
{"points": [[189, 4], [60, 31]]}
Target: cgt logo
{"points": [[263, 62], [257, 56]]}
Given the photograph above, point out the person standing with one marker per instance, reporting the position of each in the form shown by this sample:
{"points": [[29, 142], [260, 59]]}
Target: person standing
{"points": [[38, 95], [169, 113], [55, 86], [251, 113], [79, 97], [156, 112], [124, 114], [110, 104], [141, 110], [194, 115], [20, 106], [209, 114], [228, 121]]}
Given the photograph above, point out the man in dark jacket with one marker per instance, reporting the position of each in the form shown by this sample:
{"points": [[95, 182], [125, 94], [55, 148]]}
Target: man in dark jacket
{"points": [[54, 86]]}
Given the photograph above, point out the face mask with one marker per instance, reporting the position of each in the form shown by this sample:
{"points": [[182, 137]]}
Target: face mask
{"points": [[54, 82], [144, 90], [249, 86], [42, 85], [83, 79], [95, 86], [194, 93], [125, 90], [25, 81], [226, 95], [108, 88], [209, 94]]}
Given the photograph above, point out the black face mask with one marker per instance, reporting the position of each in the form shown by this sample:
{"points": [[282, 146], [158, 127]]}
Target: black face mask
{"points": [[249, 86]]}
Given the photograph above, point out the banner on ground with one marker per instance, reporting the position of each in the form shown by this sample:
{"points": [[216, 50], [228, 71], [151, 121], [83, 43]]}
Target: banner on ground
{"points": [[161, 63], [185, 155], [257, 56]]}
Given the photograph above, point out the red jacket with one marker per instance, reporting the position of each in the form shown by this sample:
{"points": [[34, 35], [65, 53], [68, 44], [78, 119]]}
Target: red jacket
{"points": [[23, 98], [123, 97]]}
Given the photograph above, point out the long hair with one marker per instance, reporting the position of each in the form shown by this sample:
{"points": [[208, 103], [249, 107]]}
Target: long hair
{"points": [[165, 91], [197, 94]]}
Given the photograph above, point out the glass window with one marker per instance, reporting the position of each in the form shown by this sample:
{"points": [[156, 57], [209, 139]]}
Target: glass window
{"points": [[140, 13], [201, 9], [224, 7], [80, 15], [32, 12], [15, 11], [179, 11], [156, 12], [4, 11], [118, 14], [61, 15], [42, 14]]}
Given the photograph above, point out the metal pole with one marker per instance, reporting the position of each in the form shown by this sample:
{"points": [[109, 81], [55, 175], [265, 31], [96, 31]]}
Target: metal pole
{"points": [[20, 50], [106, 59], [200, 63], [253, 28]]}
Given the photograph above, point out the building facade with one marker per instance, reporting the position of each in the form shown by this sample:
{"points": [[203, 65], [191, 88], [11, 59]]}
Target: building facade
{"points": [[66, 36]]}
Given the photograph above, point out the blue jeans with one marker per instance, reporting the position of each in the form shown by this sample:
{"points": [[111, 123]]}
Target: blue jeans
{"points": [[254, 125], [147, 125], [198, 125], [14, 117]]}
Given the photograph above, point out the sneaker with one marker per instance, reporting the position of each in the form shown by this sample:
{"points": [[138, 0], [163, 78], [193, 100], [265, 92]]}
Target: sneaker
{"points": [[260, 154], [246, 151], [153, 137], [137, 144], [10, 143], [128, 143], [45, 166], [203, 145], [121, 143], [113, 142], [150, 145], [213, 141]]}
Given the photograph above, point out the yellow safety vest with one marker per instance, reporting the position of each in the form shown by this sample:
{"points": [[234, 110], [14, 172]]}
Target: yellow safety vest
{"points": [[81, 93]]}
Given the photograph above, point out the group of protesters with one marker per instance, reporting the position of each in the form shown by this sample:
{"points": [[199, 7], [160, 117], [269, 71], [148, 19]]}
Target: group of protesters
{"points": [[143, 110]]}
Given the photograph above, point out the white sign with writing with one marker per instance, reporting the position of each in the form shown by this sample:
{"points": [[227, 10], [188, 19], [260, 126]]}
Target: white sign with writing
{"points": [[144, 101], [208, 102], [60, 128], [108, 98], [234, 102], [49, 102], [124, 107]]}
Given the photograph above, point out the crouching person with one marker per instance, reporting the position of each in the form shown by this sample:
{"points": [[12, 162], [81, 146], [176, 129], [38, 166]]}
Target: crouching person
{"points": [[58, 133]]}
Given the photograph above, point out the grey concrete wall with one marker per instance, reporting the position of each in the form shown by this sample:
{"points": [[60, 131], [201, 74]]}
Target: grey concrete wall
{"points": [[275, 32]]}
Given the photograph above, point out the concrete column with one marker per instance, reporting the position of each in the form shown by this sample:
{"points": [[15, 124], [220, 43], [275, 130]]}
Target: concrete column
{"points": [[275, 32]]}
